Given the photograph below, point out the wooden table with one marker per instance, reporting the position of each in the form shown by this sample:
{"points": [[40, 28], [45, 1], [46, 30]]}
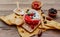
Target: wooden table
{"points": [[11, 31]]}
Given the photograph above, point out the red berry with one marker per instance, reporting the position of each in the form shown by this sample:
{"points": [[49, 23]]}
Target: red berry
{"points": [[36, 5], [32, 26], [30, 22], [27, 19], [31, 14], [36, 22]]}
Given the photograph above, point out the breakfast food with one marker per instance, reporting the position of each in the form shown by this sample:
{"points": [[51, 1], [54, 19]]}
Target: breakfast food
{"points": [[18, 20], [31, 19], [20, 23], [36, 5], [30, 22]]}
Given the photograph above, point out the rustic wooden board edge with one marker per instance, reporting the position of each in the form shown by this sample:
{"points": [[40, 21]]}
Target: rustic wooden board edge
{"points": [[24, 33]]}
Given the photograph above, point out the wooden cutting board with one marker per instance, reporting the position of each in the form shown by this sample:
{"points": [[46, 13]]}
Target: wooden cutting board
{"points": [[24, 33]]}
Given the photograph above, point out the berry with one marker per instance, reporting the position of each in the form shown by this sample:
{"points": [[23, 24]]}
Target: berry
{"points": [[29, 20], [36, 5], [35, 22], [30, 14], [32, 26]]}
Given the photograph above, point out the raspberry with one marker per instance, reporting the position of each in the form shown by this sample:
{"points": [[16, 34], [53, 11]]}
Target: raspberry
{"points": [[28, 20], [31, 14], [32, 26], [35, 22]]}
